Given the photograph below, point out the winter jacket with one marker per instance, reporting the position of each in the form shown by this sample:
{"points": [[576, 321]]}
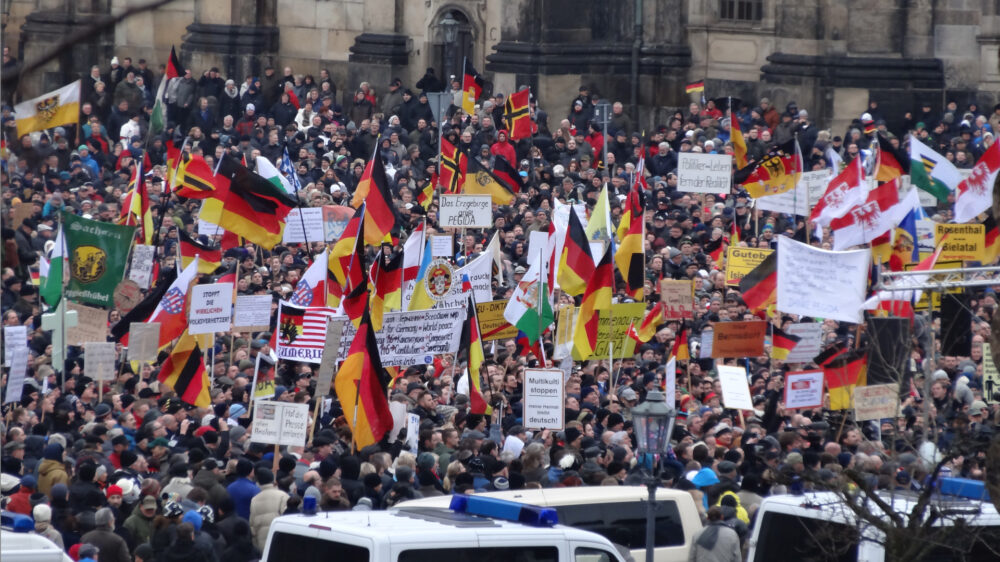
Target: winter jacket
{"points": [[50, 473], [725, 547], [140, 526], [112, 548], [264, 508]]}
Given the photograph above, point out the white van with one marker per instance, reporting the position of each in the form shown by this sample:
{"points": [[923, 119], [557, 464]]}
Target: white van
{"points": [[819, 526], [617, 513], [29, 547], [482, 530]]}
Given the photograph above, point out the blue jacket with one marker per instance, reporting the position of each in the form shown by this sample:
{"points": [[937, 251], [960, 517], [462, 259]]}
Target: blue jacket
{"points": [[242, 490]]}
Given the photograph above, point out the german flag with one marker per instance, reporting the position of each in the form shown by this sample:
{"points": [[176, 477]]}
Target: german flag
{"points": [[230, 240], [362, 385], [635, 205], [184, 371], [829, 354], [194, 178], [517, 115], [173, 159], [373, 191], [508, 174], [146, 306], [782, 343], [630, 257], [759, 288], [778, 172], [209, 258], [246, 204], [596, 298], [346, 262], [472, 87], [479, 180], [716, 249], [992, 240], [387, 280], [355, 303], [890, 163], [842, 374], [694, 87], [739, 144], [647, 329], [681, 350], [425, 195], [576, 264], [454, 164], [472, 346]]}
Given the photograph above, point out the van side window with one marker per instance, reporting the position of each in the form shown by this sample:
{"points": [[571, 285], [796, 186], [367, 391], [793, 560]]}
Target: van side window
{"points": [[587, 554], [789, 538], [286, 547], [624, 523], [499, 554]]}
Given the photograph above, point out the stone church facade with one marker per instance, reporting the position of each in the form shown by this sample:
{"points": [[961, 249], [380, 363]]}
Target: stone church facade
{"points": [[830, 56]]}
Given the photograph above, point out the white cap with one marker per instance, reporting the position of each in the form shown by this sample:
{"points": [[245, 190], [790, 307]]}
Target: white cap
{"points": [[42, 513]]}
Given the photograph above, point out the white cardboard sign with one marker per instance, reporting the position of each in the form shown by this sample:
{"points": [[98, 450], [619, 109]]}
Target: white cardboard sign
{"points": [[735, 389], [312, 217], [142, 265], [804, 389], [704, 173], [252, 312], [99, 360], [211, 308], [465, 211], [810, 344], [543, 399], [280, 423], [821, 283]]}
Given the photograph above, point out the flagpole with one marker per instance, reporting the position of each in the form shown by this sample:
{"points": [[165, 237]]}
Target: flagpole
{"points": [[542, 276], [62, 299]]}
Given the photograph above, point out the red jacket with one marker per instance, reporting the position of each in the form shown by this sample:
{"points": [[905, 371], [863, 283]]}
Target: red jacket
{"points": [[21, 501]]}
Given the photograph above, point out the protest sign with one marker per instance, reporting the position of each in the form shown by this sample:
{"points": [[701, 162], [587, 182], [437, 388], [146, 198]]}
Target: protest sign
{"points": [[252, 313], [538, 242], [800, 200], [543, 399], [565, 320], [735, 390], [143, 341], [22, 211], [804, 389], [280, 423], [925, 234], [100, 360], [821, 283], [876, 402], [677, 298], [670, 382], [965, 241], [211, 308], [740, 261], [142, 265], [465, 211], [414, 337], [335, 219], [303, 224], [441, 246], [492, 324], [206, 228], [612, 329], [91, 324], [263, 377], [13, 336], [413, 431], [738, 339], [704, 173], [16, 357], [810, 342], [991, 377], [328, 363], [705, 349]]}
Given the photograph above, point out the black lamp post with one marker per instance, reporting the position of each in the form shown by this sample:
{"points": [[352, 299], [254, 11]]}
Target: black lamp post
{"points": [[654, 423], [449, 30]]}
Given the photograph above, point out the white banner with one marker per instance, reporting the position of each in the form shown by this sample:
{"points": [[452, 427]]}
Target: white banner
{"points": [[211, 308], [804, 389], [280, 423], [414, 337], [312, 217], [704, 173], [800, 200], [16, 357], [465, 211], [142, 265], [99, 360], [810, 344], [735, 389], [252, 312], [543, 399], [821, 283]]}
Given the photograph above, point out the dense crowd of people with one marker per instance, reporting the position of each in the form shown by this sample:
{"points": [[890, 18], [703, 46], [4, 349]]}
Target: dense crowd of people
{"points": [[141, 475]]}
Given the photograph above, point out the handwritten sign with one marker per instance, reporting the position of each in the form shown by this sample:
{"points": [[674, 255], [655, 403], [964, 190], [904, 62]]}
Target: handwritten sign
{"points": [[543, 399], [677, 298], [252, 312], [16, 356], [465, 211], [280, 423], [804, 389], [441, 246], [821, 283], [328, 363], [99, 360], [211, 308], [810, 342], [142, 265], [302, 224], [800, 200], [91, 324], [704, 173], [876, 402], [735, 389], [741, 261], [612, 330], [143, 341], [965, 241], [492, 324], [738, 339]]}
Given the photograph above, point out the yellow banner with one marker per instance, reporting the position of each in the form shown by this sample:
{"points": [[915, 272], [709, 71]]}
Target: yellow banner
{"points": [[613, 329], [740, 261], [965, 242], [492, 325], [59, 107]]}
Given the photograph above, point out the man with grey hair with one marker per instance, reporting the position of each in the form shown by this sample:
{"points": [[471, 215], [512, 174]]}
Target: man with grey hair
{"points": [[110, 546]]}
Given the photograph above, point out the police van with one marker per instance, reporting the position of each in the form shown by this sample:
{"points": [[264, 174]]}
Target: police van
{"points": [[616, 512], [471, 529], [820, 526], [19, 543]]}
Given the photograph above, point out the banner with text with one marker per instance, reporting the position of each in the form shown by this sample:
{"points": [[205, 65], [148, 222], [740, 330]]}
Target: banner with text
{"points": [[740, 261], [613, 329], [738, 339], [821, 283], [465, 211], [543, 399], [704, 173], [211, 308]]}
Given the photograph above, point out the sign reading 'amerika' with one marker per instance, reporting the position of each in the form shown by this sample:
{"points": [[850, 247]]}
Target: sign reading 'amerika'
{"points": [[98, 252]]}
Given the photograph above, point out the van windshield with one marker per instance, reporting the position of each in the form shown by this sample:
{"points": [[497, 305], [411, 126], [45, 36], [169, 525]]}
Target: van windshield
{"points": [[791, 538], [286, 547]]}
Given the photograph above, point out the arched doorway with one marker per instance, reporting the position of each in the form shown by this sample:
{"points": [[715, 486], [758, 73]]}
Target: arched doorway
{"points": [[447, 56]]}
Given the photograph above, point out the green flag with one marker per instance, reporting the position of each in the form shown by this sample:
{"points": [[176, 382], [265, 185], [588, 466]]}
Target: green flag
{"points": [[158, 120], [52, 285], [97, 252], [931, 171]]}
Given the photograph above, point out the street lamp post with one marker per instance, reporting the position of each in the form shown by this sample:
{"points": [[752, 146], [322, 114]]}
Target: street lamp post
{"points": [[449, 29], [654, 423]]}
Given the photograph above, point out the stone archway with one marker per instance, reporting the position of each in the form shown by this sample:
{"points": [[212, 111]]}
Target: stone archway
{"points": [[447, 57]]}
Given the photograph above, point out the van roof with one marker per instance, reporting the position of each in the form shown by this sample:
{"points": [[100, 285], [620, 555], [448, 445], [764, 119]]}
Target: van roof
{"points": [[554, 497], [829, 505]]}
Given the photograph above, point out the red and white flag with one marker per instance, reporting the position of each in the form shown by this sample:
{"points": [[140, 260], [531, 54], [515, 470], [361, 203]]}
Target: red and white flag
{"points": [[848, 189], [311, 288], [640, 172], [901, 300], [975, 193], [171, 313], [882, 210], [412, 252]]}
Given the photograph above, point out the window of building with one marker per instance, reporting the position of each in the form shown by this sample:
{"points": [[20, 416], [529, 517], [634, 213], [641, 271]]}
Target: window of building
{"points": [[741, 10]]}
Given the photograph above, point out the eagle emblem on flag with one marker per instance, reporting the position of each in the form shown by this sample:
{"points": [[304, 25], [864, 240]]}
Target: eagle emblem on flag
{"points": [[47, 108]]}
